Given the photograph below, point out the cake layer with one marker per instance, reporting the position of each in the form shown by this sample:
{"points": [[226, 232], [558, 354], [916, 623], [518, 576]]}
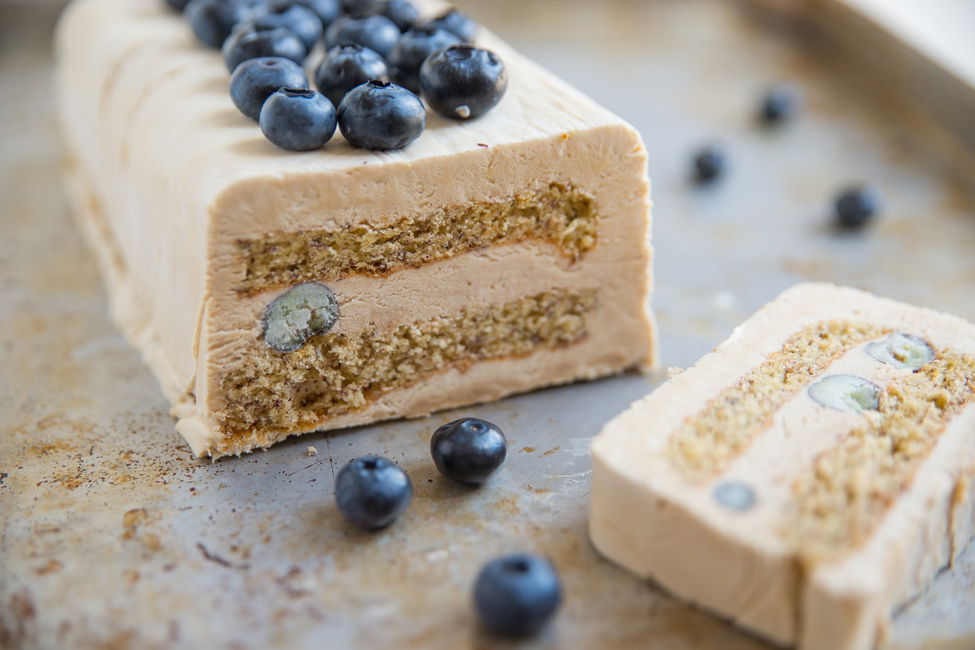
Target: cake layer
{"points": [[806, 478], [335, 374], [563, 216], [199, 223]]}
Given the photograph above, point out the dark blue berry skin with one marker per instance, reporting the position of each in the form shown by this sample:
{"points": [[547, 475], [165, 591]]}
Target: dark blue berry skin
{"points": [[516, 595], [298, 119], [460, 24], [178, 5], [361, 8], [381, 116], [780, 104], [372, 492], [345, 67], [855, 207], [255, 80], [709, 164], [327, 10], [468, 450], [463, 82], [253, 39], [401, 12], [213, 20], [412, 49], [378, 33], [304, 22]]}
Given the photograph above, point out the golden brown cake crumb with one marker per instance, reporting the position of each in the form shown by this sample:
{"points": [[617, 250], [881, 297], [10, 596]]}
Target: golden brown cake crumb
{"points": [[337, 373], [723, 429], [561, 215], [843, 496]]}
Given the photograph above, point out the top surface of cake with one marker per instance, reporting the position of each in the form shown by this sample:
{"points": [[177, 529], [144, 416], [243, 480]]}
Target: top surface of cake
{"points": [[806, 477], [154, 55], [487, 257]]}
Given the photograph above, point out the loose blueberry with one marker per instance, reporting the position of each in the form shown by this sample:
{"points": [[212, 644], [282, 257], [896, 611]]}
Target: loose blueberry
{"points": [[255, 80], [254, 39], [468, 450], [372, 492], [412, 49], [298, 119], [213, 20], [301, 20], [855, 207], [516, 595], [401, 12], [735, 495], [327, 10], [459, 23], [379, 115], [846, 393], [347, 66], [463, 82], [780, 104], [378, 33], [362, 8], [178, 5], [709, 164], [295, 316]]}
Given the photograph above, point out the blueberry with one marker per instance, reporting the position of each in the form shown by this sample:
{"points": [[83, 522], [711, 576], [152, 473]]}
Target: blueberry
{"points": [[412, 49], [361, 8], [517, 594], [303, 311], [463, 82], [298, 119], [178, 5], [372, 492], [459, 23], [846, 393], [401, 12], [253, 39], [780, 104], [468, 450], [304, 22], [902, 350], [709, 164], [378, 33], [345, 67], [327, 10], [856, 206], [735, 495], [255, 80], [213, 20], [380, 115]]}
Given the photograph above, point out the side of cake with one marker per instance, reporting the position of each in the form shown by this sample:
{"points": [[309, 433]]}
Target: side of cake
{"points": [[486, 258], [806, 478]]}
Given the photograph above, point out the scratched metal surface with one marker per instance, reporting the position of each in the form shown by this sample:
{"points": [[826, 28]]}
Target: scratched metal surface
{"points": [[111, 536]]}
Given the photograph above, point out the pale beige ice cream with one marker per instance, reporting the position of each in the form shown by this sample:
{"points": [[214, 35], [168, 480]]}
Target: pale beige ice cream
{"points": [[808, 522], [176, 190]]}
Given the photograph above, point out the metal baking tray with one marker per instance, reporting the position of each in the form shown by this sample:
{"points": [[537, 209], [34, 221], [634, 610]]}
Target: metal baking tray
{"points": [[112, 536]]}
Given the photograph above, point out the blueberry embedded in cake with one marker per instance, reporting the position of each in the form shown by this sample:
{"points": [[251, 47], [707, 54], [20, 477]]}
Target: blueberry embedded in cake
{"points": [[487, 256], [809, 476]]}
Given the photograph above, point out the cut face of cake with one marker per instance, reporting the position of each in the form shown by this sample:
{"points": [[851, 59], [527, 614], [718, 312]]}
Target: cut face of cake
{"points": [[275, 293], [806, 478]]}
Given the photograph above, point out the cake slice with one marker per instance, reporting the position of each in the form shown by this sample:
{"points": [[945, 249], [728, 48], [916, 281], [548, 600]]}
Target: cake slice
{"points": [[810, 475], [488, 257]]}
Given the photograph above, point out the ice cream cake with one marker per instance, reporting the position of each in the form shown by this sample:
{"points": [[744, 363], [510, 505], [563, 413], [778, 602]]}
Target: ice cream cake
{"points": [[274, 293], [810, 475]]}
